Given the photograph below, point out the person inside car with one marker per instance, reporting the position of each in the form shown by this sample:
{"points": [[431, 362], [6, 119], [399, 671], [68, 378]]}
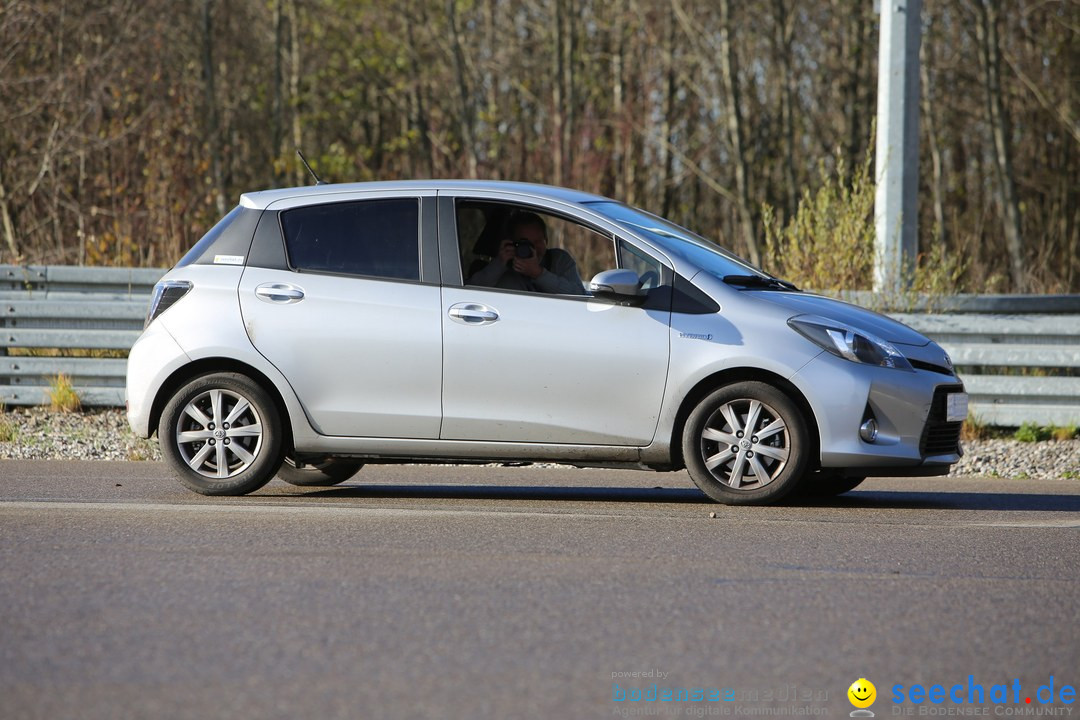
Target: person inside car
{"points": [[524, 261]]}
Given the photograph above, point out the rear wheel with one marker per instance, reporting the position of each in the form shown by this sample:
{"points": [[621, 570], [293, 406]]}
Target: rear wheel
{"points": [[746, 444], [321, 472], [221, 435]]}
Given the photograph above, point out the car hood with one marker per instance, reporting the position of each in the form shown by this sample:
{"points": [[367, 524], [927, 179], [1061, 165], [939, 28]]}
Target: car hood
{"points": [[886, 328]]}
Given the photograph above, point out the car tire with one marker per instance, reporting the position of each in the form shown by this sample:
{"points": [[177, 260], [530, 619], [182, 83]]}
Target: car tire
{"points": [[827, 484], [746, 444], [221, 434], [321, 473]]}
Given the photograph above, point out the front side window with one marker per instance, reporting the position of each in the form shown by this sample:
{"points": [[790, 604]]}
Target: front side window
{"points": [[647, 267], [519, 247], [376, 238]]}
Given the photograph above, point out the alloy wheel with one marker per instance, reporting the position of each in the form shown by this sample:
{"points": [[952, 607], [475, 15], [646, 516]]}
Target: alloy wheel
{"points": [[219, 434], [745, 444]]}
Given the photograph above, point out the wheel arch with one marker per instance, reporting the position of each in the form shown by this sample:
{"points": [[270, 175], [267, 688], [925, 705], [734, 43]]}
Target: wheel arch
{"points": [[208, 366], [742, 374]]}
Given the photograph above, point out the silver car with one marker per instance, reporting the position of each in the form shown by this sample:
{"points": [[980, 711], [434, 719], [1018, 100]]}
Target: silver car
{"points": [[316, 329]]}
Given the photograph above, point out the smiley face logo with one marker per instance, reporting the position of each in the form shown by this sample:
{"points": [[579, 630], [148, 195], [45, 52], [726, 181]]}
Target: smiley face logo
{"points": [[862, 693]]}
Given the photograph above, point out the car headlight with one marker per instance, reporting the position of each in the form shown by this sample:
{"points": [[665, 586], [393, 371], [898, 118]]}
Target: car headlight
{"points": [[848, 342]]}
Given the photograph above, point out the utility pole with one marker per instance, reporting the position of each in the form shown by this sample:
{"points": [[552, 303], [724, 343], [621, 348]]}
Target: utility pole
{"points": [[896, 209]]}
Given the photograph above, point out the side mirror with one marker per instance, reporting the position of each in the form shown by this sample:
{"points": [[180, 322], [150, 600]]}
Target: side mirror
{"points": [[617, 284]]}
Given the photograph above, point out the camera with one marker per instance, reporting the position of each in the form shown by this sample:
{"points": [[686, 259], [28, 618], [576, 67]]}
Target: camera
{"points": [[523, 248]]}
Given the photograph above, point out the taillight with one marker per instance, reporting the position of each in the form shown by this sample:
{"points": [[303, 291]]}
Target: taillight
{"points": [[166, 293]]}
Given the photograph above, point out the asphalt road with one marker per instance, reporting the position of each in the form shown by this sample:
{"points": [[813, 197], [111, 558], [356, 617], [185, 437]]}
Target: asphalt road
{"points": [[502, 593]]}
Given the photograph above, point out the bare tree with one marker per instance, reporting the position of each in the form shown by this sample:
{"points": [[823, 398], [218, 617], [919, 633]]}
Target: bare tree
{"points": [[420, 106], [930, 125], [213, 130], [987, 18], [293, 17], [729, 68], [5, 219], [467, 116], [277, 139], [783, 43]]}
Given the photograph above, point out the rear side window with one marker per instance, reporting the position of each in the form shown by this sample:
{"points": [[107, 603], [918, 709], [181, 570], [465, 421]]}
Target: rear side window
{"points": [[227, 242], [378, 238]]}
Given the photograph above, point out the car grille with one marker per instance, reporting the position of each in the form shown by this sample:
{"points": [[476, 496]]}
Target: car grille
{"points": [[923, 365], [940, 437]]}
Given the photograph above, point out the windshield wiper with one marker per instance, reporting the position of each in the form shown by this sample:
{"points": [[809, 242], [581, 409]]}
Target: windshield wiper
{"points": [[759, 281]]}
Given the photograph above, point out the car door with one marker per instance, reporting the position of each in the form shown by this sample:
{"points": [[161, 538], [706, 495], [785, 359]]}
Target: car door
{"points": [[537, 368], [349, 322]]}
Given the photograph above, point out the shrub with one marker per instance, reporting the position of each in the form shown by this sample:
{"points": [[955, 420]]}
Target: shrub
{"points": [[1030, 432], [829, 245]]}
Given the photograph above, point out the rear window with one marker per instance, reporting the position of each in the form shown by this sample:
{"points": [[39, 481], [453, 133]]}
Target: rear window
{"points": [[377, 238]]}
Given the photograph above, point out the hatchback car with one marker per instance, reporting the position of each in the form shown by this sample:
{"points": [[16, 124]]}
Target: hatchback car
{"points": [[316, 329]]}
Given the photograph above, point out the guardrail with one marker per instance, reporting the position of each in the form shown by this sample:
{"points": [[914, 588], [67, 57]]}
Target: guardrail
{"points": [[1011, 364], [1013, 351], [51, 311]]}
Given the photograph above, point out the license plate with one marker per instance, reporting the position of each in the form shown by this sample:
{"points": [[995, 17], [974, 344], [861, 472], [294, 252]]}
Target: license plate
{"points": [[956, 407]]}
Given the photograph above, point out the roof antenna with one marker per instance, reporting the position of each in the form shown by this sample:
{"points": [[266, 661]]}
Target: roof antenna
{"points": [[304, 160]]}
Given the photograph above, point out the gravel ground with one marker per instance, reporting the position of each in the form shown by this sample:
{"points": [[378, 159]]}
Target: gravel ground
{"points": [[38, 434]]}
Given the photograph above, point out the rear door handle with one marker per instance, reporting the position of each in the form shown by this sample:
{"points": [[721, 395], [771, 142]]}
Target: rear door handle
{"points": [[473, 314], [281, 293]]}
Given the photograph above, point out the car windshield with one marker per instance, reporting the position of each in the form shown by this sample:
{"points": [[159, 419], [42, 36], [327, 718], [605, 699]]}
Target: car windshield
{"points": [[678, 241]]}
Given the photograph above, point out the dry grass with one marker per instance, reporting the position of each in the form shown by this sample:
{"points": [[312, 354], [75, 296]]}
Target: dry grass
{"points": [[62, 395], [9, 431], [975, 429], [1064, 433], [66, 352]]}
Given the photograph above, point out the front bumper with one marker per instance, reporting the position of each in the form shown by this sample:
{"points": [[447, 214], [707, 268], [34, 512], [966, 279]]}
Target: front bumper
{"points": [[914, 437]]}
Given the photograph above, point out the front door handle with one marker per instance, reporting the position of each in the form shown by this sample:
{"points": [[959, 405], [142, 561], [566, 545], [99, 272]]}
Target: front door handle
{"points": [[473, 314], [281, 293]]}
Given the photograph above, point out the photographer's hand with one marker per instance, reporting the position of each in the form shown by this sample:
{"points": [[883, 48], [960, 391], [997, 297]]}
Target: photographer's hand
{"points": [[530, 267], [506, 252]]}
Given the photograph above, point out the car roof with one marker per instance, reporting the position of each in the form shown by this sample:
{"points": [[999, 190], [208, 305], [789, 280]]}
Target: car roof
{"points": [[261, 199]]}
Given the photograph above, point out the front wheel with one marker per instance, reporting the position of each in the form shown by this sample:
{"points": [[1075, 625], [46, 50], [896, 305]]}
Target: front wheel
{"points": [[319, 473], [221, 435], [746, 444]]}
